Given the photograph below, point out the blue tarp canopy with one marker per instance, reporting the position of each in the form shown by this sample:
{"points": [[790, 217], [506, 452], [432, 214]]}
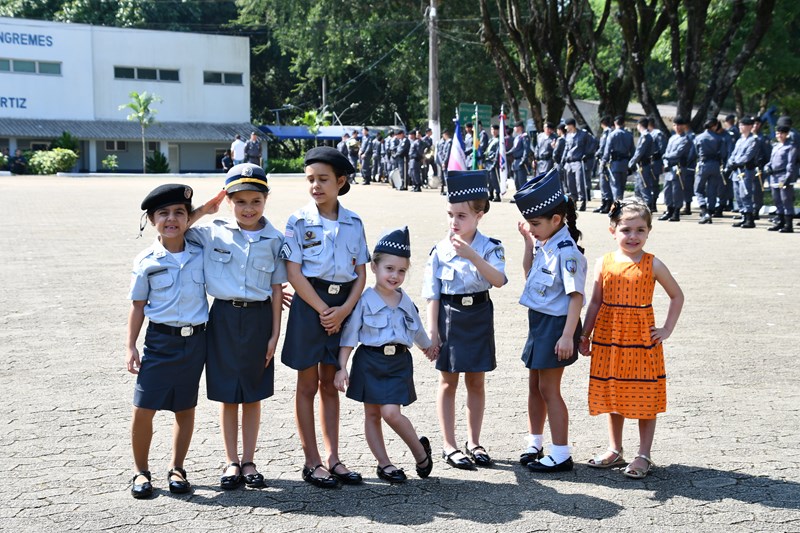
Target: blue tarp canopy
{"points": [[288, 132]]}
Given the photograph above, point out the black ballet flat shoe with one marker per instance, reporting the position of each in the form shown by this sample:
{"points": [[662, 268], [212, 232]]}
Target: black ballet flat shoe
{"points": [[350, 478], [253, 481], [425, 471], [537, 466], [395, 476], [478, 455], [529, 457], [231, 482], [327, 482], [178, 486], [142, 491], [462, 464]]}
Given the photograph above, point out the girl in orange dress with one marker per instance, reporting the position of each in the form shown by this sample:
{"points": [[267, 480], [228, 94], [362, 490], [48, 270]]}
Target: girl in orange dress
{"points": [[627, 377]]}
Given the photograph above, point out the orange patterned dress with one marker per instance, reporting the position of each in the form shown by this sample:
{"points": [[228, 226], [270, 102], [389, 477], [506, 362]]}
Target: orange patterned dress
{"points": [[627, 375]]}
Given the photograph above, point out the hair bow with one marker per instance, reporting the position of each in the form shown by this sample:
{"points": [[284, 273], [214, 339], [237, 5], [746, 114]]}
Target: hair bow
{"points": [[616, 209]]}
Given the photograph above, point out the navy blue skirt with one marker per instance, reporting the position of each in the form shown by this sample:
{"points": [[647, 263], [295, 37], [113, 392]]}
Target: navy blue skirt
{"points": [[543, 334], [306, 343], [170, 373], [382, 379], [237, 351], [467, 335]]}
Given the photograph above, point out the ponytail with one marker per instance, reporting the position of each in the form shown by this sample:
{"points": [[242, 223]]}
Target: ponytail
{"points": [[571, 218]]}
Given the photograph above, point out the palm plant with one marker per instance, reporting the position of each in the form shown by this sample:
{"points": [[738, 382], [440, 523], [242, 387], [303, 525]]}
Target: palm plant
{"points": [[144, 114]]}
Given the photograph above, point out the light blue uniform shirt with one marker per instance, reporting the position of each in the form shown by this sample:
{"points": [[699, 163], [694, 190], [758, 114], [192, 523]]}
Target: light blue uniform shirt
{"points": [[374, 323], [448, 273], [328, 255], [235, 267], [558, 270], [175, 293]]}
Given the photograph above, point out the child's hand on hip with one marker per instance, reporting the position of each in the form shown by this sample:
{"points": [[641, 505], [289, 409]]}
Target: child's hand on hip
{"points": [[659, 335]]}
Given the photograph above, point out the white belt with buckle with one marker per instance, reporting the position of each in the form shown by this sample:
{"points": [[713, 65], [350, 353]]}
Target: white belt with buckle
{"points": [[389, 350], [467, 300], [334, 288], [187, 331]]}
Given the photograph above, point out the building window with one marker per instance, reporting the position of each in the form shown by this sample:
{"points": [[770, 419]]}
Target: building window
{"points": [[153, 146], [39, 146], [30, 67], [49, 68], [222, 78], [145, 73], [116, 146], [24, 66]]}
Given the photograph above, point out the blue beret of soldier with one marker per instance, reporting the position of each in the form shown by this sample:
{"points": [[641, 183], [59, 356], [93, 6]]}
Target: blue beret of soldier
{"points": [[168, 194], [246, 177], [465, 185], [333, 157], [539, 195], [396, 242]]}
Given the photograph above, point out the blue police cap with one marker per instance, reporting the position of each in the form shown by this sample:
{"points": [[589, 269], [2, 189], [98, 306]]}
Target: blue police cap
{"points": [[540, 194], [246, 177], [465, 185], [333, 157], [396, 242], [168, 194]]}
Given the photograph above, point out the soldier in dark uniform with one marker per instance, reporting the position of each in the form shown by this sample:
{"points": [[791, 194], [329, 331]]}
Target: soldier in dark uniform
{"points": [[575, 148], [676, 157], [490, 161], [764, 152], [468, 146], [442, 153], [415, 153], [377, 157], [483, 144], [592, 145], [711, 153], [518, 152], [428, 156], [726, 189], [365, 156], [640, 163], [782, 172], [606, 194], [544, 148], [691, 165], [252, 150], [616, 154], [742, 163], [731, 192], [400, 156], [388, 151]]}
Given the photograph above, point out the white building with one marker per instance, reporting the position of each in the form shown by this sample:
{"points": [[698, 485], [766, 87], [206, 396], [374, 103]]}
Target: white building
{"points": [[57, 77]]}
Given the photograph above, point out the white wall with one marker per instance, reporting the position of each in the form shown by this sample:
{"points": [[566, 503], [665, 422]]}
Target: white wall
{"points": [[68, 96]]}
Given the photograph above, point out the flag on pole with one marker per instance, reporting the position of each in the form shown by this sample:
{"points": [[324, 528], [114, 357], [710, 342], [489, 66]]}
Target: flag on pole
{"points": [[502, 161], [456, 160], [475, 140]]}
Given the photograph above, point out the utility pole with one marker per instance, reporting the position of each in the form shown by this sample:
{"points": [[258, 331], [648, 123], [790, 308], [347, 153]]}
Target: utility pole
{"points": [[433, 72], [324, 92]]}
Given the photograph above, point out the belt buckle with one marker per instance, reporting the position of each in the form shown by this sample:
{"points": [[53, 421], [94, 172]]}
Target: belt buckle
{"points": [[389, 350], [238, 303], [187, 331], [467, 300], [334, 288]]}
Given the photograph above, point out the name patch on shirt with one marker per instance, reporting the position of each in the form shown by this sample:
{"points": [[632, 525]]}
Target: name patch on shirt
{"points": [[311, 244], [546, 271]]}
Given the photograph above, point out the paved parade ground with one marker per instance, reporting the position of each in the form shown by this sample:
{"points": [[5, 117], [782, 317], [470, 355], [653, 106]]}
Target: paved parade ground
{"points": [[726, 450]]}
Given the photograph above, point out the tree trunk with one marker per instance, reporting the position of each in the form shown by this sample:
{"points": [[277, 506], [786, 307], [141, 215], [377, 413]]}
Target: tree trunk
{"points": [[144, 153]]}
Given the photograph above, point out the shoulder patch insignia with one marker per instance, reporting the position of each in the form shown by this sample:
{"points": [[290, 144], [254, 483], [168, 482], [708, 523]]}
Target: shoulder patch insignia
{"points": [[571, 265], [565, 243], [498, 252], [285, 251]]}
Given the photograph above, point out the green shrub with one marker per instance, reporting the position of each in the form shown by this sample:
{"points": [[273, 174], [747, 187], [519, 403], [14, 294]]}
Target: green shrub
{"points": [[3, 162], [66, 141], [110, 163], [278, 165], [52, 161], [157, 164]]}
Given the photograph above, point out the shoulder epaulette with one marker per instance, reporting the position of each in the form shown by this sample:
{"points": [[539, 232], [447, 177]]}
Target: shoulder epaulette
{"points": [[495, 241], [565, 243]]}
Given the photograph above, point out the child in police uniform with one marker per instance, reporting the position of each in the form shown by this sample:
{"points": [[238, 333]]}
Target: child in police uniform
{"points": [[326, 254], [460, 271], [168, 288], [244, 275], [386, 323], [555, 275]]}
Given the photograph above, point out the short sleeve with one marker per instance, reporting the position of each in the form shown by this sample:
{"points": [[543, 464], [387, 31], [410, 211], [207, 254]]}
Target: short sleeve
{"points": [[352, 326], [573, 272], [292, 249], [199, 235], [431, 285], [140, 288], [496, 256], [363, 252]]}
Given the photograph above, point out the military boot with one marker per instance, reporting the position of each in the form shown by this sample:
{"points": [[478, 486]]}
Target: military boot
{"points": [[777, 224], [676, 215], [687, 209], [667, 214], [787, 224], [748, 221], [705, 216]]}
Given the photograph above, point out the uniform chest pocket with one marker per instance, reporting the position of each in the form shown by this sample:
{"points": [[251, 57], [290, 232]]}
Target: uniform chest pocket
{"points": [[160, 283], [375, 324], [198, 276], [313, 242], [541, 282], [264, 269], [217, 260], [446, 272]]}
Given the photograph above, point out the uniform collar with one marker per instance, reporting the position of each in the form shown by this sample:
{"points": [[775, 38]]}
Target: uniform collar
{"points": [[375, 303], [312, 217], [552, 243], [159, 251], [232, 225]]}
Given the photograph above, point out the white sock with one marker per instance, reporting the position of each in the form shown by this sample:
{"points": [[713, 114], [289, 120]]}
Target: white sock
{"points": [[534, 441], [560, 453]]}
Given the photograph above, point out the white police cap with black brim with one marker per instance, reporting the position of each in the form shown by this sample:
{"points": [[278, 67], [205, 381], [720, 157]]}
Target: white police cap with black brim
{"points": [[396, 242], [540, 194], [465, 185]]}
